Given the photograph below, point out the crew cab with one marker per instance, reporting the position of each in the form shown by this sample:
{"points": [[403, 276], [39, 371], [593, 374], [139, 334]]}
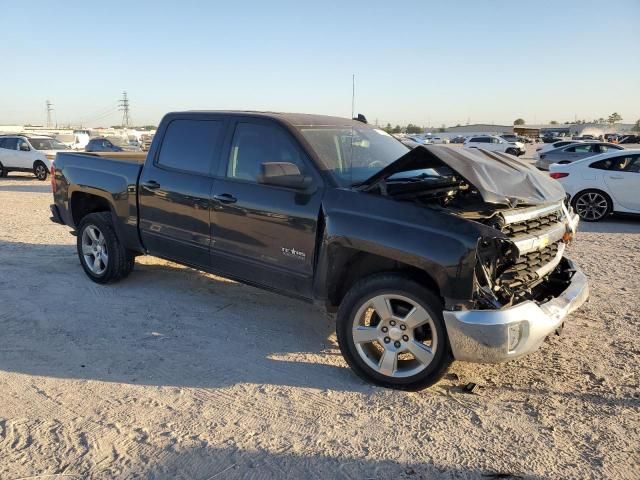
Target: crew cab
{"points": [[425, 255]]}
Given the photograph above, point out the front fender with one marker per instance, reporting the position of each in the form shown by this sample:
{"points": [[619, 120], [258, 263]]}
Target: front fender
{"points": [[438, 243]]}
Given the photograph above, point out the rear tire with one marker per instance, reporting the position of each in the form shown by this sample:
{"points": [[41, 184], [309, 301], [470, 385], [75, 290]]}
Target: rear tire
{"points": [[3, 171], [592, 205], [102, 255], [391, 332], [40, 170]]}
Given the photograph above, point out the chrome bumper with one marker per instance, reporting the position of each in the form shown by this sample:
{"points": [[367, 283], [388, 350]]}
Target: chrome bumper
{"points": [[492, 336]]}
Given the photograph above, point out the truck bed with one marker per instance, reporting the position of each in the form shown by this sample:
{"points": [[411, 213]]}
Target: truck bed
{"points": [[138, 157], [111, 176]]}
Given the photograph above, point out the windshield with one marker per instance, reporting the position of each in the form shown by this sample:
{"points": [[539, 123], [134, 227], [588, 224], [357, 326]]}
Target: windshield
{"points": [[47, 144], [353, 154]]}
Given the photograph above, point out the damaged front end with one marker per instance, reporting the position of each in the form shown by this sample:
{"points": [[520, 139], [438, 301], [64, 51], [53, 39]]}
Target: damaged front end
{"points": [[525, 261], [523, 285]]}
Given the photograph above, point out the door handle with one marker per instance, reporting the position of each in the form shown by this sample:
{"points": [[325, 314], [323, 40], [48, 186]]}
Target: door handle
{"points": [[225, 198], [615, 177], [151, 185]]}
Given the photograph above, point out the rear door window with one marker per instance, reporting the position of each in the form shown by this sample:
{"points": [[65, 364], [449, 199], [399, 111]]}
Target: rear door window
{"points": [[10, 143], [191, 145], [579, 149]]}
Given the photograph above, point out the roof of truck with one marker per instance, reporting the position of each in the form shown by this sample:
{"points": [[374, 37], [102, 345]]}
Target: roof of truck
{"points": [[295, 119]]}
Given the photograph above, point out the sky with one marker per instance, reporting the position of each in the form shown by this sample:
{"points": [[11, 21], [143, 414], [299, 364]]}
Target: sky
{"points": [[414, 61]]}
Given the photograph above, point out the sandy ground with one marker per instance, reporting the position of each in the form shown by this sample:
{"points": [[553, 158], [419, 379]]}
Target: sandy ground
{"points": [[180, 375]]}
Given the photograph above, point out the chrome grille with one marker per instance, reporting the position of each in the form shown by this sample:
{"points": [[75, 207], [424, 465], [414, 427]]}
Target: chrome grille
{"points": [[524, 270]]}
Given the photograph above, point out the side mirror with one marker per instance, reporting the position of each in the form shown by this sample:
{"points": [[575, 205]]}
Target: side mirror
{"points": [[284, 174], [24, 147]]}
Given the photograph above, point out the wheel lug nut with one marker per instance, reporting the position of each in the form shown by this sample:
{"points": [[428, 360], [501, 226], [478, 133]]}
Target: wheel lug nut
{"points": [[385, 329], [392, 323], [403, 327], [396, 344], [405, 338], [387, 339]]}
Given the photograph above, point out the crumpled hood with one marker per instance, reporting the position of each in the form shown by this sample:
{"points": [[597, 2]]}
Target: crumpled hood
{"points": [[498, 177]]}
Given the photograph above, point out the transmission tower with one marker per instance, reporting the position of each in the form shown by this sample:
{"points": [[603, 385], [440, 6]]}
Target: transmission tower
{"points": [[49, 106], [124, 107]]}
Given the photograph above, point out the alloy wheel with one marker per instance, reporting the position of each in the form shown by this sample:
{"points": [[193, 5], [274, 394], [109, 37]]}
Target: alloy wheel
{"points": [[592, 206], [94, 250], [41, 172], [394, 335]]}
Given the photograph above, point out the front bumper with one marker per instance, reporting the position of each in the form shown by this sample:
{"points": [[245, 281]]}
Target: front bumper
{"points": [[492, 336]]}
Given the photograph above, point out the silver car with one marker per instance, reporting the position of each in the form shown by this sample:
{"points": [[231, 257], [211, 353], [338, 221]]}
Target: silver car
{"points": [[575, 151]]}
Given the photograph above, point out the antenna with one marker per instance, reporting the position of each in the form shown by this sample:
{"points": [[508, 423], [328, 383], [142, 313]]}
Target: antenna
{"points": [[353, 94], [124, 107], [49, 106]]}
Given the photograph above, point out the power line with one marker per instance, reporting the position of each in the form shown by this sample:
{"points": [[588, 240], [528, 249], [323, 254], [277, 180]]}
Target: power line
{"points": [[124, 107]]}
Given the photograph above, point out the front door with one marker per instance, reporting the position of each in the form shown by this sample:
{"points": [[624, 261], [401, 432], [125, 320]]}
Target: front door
{"points": [[175, 188], [264, 234]]}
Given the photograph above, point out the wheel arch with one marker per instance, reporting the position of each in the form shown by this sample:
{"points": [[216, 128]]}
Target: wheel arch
{"points": [[83, 203], [360, 264]]}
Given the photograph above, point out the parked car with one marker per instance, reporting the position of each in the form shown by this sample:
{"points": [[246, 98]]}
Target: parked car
{"points": [[110, 144], [630, 139], [33, 153], [602, 184], [437, 140], [459, 139], [101, 144], [573, 152], [552, 146], [145, 142], [516, 138], [83, 137], [463, 258], [495, 144]]}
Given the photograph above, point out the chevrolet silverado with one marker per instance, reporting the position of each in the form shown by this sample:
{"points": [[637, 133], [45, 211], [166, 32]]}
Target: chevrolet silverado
{"points": [[425, 255]]}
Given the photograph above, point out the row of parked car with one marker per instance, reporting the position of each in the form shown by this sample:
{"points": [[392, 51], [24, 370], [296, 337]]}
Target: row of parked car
{"points": [[35, 153]]}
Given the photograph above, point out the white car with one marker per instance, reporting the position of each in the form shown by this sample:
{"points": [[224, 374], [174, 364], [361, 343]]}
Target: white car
{"points": [[494, 144], [22, 153], [602, 184], [438, 140]]}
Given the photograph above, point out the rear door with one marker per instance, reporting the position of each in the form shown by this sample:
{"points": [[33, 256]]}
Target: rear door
{"points": [[264, 234], [9, 152], [175, 188], [623, 180]]}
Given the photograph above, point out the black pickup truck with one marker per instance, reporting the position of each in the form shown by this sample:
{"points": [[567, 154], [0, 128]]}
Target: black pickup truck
{"points": [[427, 255]]}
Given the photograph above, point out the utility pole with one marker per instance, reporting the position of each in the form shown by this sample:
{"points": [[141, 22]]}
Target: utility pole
{"points": [[124, 107], [49, 106]]}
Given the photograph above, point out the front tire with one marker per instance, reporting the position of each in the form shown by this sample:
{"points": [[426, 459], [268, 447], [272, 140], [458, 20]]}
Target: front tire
{"points": [[41, 171], [592, 205], [512, 151], [102, 255], [3, 171], [391, 332]]}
